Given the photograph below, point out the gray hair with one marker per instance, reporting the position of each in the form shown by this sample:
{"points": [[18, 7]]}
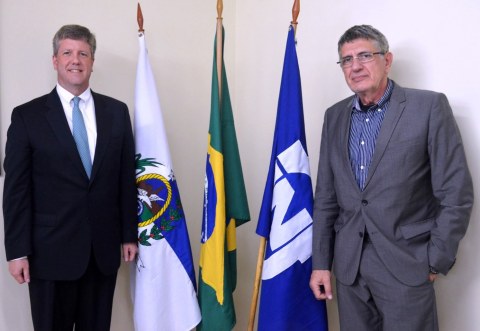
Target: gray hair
{"points": [[75, 32], [367, 32]]}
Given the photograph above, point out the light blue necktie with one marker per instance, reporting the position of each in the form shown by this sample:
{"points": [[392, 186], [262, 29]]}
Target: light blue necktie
{"points": [[80, 136]]}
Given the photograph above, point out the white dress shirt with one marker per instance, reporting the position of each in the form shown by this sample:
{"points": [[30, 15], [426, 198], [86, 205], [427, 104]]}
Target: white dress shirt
{"points": [[87, 108]]}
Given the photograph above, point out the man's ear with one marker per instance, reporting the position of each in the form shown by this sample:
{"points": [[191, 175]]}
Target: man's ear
{"points": [[54, 62], [388, 60]]}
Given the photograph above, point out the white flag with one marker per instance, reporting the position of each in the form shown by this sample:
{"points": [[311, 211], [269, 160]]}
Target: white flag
{"points": [[163, 279]]}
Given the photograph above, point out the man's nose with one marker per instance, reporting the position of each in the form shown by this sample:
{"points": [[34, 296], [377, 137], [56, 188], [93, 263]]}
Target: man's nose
{"points": [[76, 58], [356, 64]]}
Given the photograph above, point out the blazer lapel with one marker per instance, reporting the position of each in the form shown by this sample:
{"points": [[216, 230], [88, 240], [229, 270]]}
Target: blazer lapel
{"points": [[394, 112], [345, 129], [104, 120], [58, 122]]}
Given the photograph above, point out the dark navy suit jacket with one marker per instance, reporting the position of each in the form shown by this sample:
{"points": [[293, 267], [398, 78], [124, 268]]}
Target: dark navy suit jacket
{"points": [[53, 212]]}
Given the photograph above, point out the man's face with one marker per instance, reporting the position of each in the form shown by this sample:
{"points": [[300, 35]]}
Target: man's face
{"points": [[368, 80], [73, 63]]}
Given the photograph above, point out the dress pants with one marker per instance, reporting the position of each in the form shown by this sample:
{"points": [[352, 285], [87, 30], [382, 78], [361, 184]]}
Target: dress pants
{"points": [[377, 301], [85, 304]]}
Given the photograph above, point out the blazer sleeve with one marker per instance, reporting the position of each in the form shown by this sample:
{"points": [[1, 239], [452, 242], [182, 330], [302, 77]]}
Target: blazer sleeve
{"points": [[17, 201], [128, 194], [452, 185], [325, 208]]}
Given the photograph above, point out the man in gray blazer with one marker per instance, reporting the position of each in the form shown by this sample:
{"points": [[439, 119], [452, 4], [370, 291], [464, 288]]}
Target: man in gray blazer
{"points": [[393, 194]]}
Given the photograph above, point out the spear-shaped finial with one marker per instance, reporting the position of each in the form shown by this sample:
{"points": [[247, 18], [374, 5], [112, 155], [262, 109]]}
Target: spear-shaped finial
{"points": [[140, 18], [219, 8], [295, 12]]}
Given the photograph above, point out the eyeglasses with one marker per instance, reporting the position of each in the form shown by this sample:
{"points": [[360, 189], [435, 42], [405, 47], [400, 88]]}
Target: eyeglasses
{"points": [[363, 57]]}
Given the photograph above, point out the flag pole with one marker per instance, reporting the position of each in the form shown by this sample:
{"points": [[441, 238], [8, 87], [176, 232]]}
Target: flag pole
{"points": [[219, 46], [256, 284], [140, 19], [263, 240]]}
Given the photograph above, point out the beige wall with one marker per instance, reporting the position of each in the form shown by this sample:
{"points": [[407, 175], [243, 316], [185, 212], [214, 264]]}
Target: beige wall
{"points": [[435, 46]]}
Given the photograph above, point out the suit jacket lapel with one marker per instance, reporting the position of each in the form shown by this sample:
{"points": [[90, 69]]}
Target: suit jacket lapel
{"points": [[104, 123], [394, 112], [345, 129], [58, 122]]}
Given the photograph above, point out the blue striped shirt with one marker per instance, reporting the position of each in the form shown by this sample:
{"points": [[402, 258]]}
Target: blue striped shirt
{"points": [[364, 128]]}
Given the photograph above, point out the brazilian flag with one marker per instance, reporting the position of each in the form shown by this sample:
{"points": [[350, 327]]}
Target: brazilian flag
{"points": [[225, 206]]}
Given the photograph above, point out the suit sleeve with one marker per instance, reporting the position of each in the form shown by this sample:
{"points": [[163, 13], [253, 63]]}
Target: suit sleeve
{"points": [[128, 194], [451, 183], [17, 190], [325, 208]]}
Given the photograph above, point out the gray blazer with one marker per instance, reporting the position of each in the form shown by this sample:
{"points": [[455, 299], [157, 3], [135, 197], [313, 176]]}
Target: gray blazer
{"points": [[418, 196]]}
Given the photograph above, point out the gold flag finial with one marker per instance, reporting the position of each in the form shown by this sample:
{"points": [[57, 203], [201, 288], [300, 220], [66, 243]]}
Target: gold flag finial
{"points": [[219, 8], [140, 18], [295, 12]]}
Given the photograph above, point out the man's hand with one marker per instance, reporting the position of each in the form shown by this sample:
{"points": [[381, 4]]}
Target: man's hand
{"points": [[432, 277], [320, 283], [129, 251], [20, 270]]}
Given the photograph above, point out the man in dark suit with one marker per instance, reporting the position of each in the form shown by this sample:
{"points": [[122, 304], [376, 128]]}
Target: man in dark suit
{"points": [[393, 195], [70, 199]]}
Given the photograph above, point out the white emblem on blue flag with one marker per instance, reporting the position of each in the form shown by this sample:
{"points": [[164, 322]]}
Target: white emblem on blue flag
{"points": [[290, 239]]}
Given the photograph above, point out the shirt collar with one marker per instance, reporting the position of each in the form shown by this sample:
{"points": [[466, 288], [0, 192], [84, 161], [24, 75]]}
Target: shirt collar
{"points": [[67, 96], [383, 100]]}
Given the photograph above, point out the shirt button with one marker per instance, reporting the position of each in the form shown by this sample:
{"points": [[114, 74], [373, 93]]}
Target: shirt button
{"points": [[364, 202], [362, 167], [363, 143], [367, 120]]}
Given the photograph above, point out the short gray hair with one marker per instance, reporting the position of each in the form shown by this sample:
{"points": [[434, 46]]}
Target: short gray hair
{"points": [[75, 32], [367, 32]]}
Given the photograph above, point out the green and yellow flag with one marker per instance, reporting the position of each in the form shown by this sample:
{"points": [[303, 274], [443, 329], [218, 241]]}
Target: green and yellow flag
{"points": [[225, 206]]}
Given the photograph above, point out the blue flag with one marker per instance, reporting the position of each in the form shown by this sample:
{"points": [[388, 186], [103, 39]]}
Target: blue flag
{"points": [[286, 301]]}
